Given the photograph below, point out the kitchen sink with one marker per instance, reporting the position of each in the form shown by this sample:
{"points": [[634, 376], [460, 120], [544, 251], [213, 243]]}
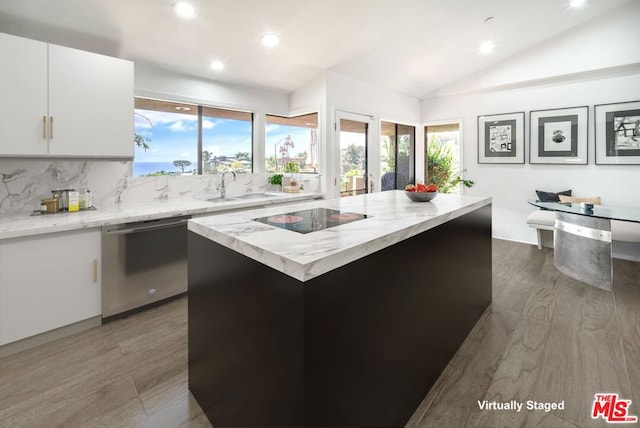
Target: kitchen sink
{"points": [[254, 196], [221, 199], [244, 197]]}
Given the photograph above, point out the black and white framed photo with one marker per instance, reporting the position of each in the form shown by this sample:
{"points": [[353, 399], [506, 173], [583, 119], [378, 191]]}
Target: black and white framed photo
{"points": [[501, 138], [559, 136], [618, 133]]}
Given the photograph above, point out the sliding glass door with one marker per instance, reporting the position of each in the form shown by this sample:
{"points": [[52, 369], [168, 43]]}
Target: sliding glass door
{"points": [[353, 135], [397, 155]]}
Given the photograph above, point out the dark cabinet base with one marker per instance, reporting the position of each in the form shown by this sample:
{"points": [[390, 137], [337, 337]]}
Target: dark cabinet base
{"points": [[358, 346]]}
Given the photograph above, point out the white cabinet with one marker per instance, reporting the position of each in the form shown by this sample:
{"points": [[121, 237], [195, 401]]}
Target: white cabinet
{"points": [[48, 281], [63, 102], [23, 96]]}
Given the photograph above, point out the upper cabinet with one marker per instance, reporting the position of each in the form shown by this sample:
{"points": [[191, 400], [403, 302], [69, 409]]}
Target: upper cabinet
{"points": [[58, 101]]}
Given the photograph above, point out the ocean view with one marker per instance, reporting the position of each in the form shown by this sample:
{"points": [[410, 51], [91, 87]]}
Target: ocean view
{"points": [[144, 168]]}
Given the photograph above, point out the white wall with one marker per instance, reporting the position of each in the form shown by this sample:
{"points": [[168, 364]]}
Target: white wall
{"points": [[355, 96], [151, 81], [511, 185], [312, 94]]}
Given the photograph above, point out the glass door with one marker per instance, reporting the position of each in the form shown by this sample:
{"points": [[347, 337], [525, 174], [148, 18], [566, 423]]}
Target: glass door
{"points": [[353, 136], [397, 155], [442, 156]]}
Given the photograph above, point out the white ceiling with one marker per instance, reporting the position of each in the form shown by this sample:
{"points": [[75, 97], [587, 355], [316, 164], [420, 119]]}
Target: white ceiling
{"points": [[412, 46]]}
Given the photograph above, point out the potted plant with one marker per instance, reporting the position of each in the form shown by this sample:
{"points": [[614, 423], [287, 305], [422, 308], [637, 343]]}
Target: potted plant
{"points": [[275, 180], [292, 168]]}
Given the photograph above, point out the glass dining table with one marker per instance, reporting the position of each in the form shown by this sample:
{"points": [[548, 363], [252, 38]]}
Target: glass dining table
{"points": [[582, 239]]}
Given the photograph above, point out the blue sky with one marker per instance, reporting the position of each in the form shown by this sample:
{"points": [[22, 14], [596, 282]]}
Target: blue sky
{"points": [[175, 136]]}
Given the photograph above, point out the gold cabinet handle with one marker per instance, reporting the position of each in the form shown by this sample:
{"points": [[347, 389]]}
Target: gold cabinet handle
{"points": [[44, 127], [51, 127], [95, 270]]}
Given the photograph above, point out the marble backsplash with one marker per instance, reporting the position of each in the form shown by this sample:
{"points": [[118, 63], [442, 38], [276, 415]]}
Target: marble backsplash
{"points": [[23, 182]]}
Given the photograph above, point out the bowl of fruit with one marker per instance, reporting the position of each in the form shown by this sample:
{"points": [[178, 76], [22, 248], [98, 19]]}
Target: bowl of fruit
{"points": [[421, 192]]}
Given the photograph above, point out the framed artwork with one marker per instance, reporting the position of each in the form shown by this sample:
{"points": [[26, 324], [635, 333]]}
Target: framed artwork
{"points": [[618, 133], [559, 136], [501, 138]]}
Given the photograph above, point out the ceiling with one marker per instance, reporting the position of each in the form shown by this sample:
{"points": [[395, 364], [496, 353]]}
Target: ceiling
{"points": [[412, 46]]}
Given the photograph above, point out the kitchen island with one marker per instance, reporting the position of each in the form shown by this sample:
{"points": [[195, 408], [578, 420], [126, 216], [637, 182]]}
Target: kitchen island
{"points": [[333, 313]]}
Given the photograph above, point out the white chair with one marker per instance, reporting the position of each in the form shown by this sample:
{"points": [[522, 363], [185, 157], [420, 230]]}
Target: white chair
{"points": [[541, 220]]}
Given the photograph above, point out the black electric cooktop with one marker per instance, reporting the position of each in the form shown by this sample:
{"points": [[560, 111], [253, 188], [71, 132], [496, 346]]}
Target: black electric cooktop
{"points": [[312, 220]]}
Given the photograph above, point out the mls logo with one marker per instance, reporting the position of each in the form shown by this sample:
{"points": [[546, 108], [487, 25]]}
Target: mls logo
{"points": [[612, 409]]}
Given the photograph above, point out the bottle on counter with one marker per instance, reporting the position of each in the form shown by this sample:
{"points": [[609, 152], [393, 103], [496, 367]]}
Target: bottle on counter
{"points": [[74, 200], [85, 199], [50, 205], [57, 194], [64, 200]]}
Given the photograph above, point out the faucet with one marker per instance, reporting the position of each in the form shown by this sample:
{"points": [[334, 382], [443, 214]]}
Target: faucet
{"points": [[223, 190]]}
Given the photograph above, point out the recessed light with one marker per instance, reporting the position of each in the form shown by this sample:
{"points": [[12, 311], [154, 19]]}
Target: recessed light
{"points": [[576, 3], [181, 108], [216, 65], [486, 47], [270, 39], [184, 9]]}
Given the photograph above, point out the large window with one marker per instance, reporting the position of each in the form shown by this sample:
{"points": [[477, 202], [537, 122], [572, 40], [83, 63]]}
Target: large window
{"points": [[397, 155], [178, 138], [291, 139]]}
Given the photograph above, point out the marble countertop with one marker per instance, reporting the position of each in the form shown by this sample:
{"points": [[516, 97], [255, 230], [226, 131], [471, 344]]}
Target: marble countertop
{"points": [[393, 218], [25, 225]]}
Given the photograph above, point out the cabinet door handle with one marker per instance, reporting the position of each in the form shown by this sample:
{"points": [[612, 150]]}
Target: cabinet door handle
{"points": [[51, 127], [44, 127], [95, 270]]}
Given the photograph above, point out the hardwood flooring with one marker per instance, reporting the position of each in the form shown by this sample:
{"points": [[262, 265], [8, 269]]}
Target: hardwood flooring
{"points": [[131, 372], [545, 337]]}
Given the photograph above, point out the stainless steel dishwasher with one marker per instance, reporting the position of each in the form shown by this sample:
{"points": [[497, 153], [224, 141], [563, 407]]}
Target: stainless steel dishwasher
{"points": [[143, 263]]}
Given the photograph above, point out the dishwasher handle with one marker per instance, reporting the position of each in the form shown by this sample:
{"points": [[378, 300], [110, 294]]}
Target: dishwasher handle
{"points": [[139, 229]]}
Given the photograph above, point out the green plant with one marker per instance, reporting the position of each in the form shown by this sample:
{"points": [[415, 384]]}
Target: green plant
{"points": [[275, 179], [139, 140], [292, 166], [440, 168]]}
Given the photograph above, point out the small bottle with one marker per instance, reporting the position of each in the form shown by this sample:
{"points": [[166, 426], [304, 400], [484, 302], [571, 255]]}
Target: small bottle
{"points": [[57, 194], [74, 200], [64, 200]]}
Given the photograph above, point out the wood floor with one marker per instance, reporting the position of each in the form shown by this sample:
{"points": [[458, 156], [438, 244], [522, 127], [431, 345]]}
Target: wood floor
{"points": [[546, 337], [128, 373]]}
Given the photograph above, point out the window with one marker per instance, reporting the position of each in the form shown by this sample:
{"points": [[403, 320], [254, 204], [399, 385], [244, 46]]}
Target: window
{"points": [[442, 156], [291, 139], [227, 140], [397, 155], [179, 138]]}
